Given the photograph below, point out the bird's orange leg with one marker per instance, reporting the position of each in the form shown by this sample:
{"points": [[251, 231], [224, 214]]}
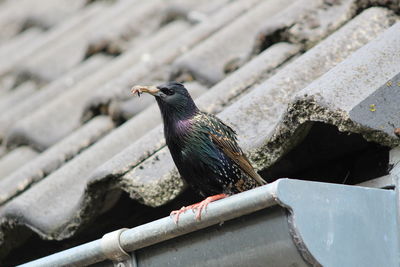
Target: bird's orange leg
{"points": [[198, 207]]}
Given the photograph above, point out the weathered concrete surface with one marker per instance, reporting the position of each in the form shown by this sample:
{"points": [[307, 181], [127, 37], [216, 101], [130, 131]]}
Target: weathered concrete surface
{"points": [[164, 55], [360, 95], [305, 22], [208, 61], [381, 109], [104, 29], [26, 106], [120, 30], [269, 101], [14, 160], [57, 119], [15, 15], [7, 83], [243, 80], [25, 90], [47, 39], [53, 158], [390, 4], [19, 42], [154, 190], [192, 10], [3, 151], [256, 115], [357, 96]]}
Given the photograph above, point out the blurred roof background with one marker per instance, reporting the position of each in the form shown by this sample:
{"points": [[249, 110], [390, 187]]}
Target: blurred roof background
{"points": [[311, 87]]}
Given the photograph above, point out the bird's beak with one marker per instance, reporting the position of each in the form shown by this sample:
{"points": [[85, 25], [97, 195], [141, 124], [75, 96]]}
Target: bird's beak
{"points": [[138, 89]]}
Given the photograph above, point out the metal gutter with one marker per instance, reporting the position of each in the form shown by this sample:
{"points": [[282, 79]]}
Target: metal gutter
{"points": [[394, 160], [163, 229], [284, 223]]}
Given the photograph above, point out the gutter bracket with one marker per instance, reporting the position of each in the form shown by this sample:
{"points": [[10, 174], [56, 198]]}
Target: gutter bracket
{"points": [[112, 249]]}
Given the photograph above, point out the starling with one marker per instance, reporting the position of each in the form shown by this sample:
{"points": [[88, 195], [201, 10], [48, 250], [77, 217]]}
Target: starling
{"points": [[204, 149]]}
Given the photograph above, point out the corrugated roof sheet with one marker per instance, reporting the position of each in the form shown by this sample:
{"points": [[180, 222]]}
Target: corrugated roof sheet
{"points": [[72, 136]]}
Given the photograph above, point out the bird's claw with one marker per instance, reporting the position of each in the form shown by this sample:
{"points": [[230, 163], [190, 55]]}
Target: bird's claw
{"points": [[196, 208], [176, 213], [136, 90]]}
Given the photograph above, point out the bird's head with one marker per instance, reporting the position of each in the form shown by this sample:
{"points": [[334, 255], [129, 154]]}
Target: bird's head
{"points": [[173, 99]]}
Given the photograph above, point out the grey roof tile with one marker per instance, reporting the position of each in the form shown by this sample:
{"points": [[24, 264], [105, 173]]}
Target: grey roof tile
{"points": [[16, 15], [125, 109], [164, 55], [261, 107], [392, 4], [348, 96], [248, 76], [70, 49], [46, 94], [19, 42], [3, 151], [206, 7], [193, 10], [49, 124], [14, 160], [361, 94], [47, 39], [58, 118], [316, 24], [53, 158], [255, 116], [23, 91], [154, 188], [305, 22], [7, 83], [121, 29], [208, 61], [47, 13]]}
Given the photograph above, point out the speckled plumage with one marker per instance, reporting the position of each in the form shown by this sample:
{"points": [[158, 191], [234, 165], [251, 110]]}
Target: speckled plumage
{"points": [[204, 149], [200, 152]]}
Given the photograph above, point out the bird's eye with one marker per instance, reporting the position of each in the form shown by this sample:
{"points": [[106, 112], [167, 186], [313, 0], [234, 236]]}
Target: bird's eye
{"points": [[167, 91]]}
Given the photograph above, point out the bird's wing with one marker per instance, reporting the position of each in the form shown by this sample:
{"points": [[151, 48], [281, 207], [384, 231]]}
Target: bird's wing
{"points": [[225, 138]]}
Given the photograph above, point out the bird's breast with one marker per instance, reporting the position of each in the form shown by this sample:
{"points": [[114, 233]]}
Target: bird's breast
{"points": [[183, 126]]}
